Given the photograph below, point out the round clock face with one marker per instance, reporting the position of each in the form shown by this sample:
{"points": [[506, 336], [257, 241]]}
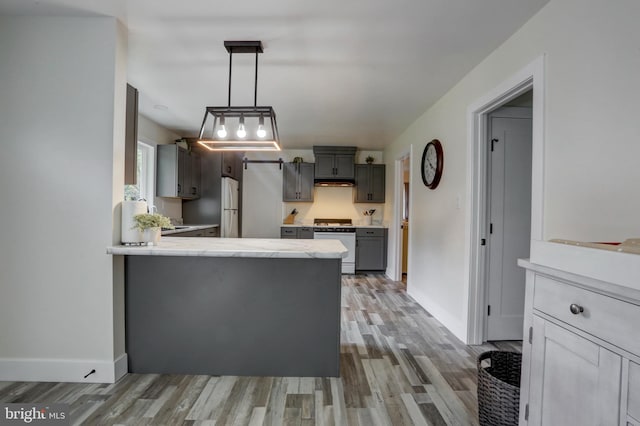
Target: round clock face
{"points": [[432, 164]]}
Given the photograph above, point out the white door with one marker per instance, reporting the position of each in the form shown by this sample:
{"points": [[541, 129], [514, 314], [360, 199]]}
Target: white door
{"points": [[509, 227], [578, 382]]}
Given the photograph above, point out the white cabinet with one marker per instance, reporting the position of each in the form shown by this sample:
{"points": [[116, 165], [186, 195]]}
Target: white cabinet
{"points": [[581, 363], [580, 384]]}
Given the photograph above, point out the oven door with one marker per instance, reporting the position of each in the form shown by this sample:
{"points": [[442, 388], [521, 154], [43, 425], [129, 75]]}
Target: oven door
{"points": [[349, 241]]}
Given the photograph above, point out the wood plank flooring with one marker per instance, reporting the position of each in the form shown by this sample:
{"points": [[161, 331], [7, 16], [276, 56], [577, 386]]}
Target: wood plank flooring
{"points": [[399, 366]]}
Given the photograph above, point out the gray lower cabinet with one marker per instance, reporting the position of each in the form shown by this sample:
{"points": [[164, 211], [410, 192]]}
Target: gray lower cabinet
{"points": [[370, 183], [297, 232], [371, 249], [297, 182], [178, 172]]}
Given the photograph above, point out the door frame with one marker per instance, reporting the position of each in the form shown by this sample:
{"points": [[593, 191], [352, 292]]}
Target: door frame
{"points": [[531, 77], [397, 212]]}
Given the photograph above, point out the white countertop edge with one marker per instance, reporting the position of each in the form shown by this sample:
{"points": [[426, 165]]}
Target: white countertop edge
{"points": [[614, 267], [237, 247], [296, 225], [188, 229]]}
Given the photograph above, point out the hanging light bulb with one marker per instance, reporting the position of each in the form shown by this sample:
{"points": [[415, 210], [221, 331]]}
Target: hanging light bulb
{"points": [[261, 132], [242, 132], [222, 131]]}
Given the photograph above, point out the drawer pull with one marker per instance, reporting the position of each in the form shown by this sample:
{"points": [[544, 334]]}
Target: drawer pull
{"points": [[576, 309]]}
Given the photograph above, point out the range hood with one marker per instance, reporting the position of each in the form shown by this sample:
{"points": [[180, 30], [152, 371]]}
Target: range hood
{"points": [[334, 183]]}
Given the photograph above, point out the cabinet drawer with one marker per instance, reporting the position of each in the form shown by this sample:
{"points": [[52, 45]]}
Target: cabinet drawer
{"points": [[609, 319], [370, 232], [289, 232]]}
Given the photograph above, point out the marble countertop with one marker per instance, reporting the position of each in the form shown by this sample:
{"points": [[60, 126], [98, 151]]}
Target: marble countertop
{"points": [[237, 247], [187, 228]]}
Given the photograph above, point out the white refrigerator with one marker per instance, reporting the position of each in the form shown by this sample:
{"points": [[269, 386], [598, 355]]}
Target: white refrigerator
{"points": [[229, 219]]}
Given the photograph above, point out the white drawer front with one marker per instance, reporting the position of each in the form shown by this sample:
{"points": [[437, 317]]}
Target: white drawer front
{"points": [[609, 319]]}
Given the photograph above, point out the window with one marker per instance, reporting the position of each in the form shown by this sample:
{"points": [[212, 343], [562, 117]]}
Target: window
{"points": [[144, 187]]}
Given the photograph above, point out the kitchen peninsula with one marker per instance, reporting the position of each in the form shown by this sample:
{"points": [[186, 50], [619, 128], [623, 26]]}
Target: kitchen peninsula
{"points": [[233, 306]]}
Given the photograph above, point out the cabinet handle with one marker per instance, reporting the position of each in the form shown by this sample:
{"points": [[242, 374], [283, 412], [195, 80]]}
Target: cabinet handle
{"points": [[193, 190], [229, 169], [576, 309]]}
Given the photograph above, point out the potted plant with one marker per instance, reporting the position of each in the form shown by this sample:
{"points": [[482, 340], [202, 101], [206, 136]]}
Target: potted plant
{"points": [[370, 160], [151, 224]]}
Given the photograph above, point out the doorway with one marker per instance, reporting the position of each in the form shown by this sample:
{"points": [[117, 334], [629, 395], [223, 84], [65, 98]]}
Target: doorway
{"points": [[399, 232], [508, 217], [405, 218], [530, 78]]}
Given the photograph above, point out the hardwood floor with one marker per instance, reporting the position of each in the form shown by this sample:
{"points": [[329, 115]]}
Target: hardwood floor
{"points": [[399, 366]]}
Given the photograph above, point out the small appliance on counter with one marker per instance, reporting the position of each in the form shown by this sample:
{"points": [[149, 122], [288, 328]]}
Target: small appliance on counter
{"points": [[130, 235]]}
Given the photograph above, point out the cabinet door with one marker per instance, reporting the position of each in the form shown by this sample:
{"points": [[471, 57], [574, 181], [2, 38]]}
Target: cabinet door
{"points": [[131, 137], [345, 167], [290, 182], [370, 254], [324, 166], [376, 183], [229, 164], [574, 381], [184, 172], [362, 183], [196, 175], [305, 182]]}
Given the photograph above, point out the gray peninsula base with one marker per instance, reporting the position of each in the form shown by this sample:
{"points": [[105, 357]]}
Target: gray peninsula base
{"points": [[233, 315]]}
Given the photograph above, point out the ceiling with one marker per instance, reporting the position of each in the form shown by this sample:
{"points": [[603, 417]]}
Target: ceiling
{"points": [[349, 72]]}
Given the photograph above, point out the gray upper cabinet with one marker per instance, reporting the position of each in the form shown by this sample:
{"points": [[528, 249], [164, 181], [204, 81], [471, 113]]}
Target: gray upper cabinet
{"points": [[334, 162], [131, 137], [178, 173], [370, 183], [232, 165], [297, 182]]}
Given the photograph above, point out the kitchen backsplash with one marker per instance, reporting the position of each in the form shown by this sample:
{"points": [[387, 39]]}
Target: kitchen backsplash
{"points": [[333, 203]]}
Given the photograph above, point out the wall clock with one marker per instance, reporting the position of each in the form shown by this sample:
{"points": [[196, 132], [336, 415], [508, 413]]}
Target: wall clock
{"points": [[432, 164]]}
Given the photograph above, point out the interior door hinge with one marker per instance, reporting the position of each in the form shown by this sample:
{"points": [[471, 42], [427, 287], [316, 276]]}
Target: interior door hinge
{"points": [[483, 242], [530, 335], [493, 142], [526, 412], [488, 310], [491, 228]]}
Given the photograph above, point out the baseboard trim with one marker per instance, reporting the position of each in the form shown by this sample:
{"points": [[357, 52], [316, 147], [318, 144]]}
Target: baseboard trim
{"points": [[62, 370]]}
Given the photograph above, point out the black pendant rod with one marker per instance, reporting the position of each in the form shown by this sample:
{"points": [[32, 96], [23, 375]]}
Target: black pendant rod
{"points": [[230, 60], [255, 87]]}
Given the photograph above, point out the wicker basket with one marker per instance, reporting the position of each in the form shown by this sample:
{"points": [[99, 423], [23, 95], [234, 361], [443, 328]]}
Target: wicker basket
{"points": [[499, 388]]}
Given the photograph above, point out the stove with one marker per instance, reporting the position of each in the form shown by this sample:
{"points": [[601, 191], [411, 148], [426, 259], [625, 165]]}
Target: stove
{"points": [[333, 225], [342, 230]]}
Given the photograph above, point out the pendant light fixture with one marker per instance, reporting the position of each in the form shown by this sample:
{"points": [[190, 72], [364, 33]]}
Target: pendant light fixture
{"points": [[240, 128]]}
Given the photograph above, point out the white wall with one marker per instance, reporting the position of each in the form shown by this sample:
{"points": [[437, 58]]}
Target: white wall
{"points": [[62, 115], [591, 144], [263, 210], [153, 134]]}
